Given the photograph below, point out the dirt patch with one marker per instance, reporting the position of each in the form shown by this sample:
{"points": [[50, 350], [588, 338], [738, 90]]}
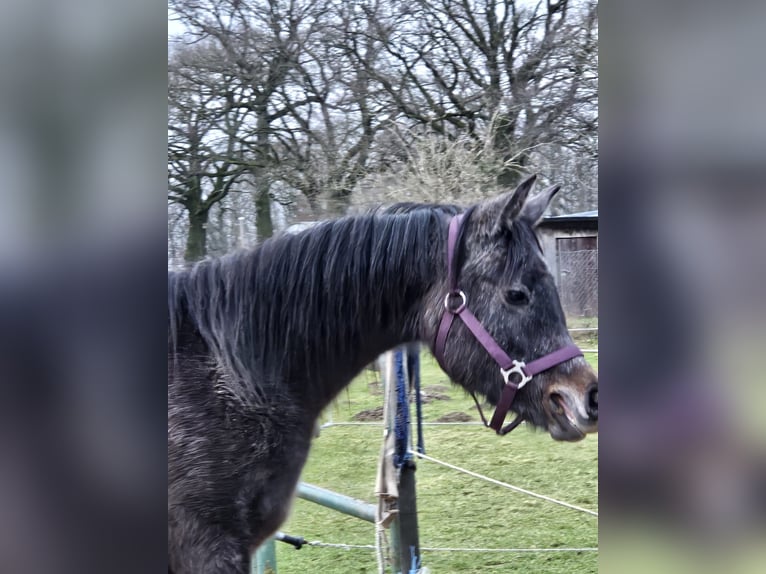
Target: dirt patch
{"points": [[435, 389], [455, 417], [369, 415], [427, 396]]}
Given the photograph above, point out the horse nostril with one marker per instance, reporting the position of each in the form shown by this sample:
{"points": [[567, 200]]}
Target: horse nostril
{"points": [[593, 401], [555, 401]]}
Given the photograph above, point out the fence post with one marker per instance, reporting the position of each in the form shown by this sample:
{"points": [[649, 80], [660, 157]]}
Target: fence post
{"points": [[409, 543], [265, 560], [406, 545]]}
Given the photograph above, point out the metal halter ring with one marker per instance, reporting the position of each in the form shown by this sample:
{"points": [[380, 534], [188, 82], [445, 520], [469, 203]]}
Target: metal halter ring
{"points": [[518, 368], [462, 304]]}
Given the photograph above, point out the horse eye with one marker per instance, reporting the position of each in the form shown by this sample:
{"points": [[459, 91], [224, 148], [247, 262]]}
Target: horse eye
{"points": [[516, 297]]}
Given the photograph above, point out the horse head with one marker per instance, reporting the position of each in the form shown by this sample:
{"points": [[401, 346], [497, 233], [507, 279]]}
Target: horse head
{"points": [[498, 276]]}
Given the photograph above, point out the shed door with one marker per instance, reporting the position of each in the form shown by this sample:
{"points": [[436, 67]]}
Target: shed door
{"points": [[578, 275]]}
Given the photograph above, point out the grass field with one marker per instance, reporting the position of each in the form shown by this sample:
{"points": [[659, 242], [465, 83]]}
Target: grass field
{"points": [[454, 510]]}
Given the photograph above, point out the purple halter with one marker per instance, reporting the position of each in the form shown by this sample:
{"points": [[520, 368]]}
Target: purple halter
{"points": [[508, 366]]}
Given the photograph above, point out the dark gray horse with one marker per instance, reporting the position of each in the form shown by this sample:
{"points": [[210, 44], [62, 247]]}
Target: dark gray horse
{"points": [[261, 341]]}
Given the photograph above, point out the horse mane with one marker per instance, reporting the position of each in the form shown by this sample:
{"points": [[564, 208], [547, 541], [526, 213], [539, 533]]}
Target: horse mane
{"points": [[296, 299], [409, 207]]}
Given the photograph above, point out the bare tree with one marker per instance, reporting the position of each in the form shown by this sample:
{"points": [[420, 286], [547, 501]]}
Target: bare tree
{"points": [[303, 66], [459, 66], [205, 158], [326, 149], [376, 99], [428, 167], [258, 52], [277, 51]]}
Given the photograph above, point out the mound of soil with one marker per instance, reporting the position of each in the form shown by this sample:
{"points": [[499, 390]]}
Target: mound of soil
{"points": [[435, 389], [427, 396], [369, 415], [375, 388], [455, 417]]}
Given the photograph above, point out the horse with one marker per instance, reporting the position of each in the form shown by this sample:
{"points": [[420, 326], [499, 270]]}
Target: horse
{"points": [[261, 341]]}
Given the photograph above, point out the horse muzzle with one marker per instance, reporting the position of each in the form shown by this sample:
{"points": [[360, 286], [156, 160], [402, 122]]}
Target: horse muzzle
{"points": [[572, 409]]}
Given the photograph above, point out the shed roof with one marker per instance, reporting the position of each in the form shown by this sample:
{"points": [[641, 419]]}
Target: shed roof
{"points": [[581, 215], [583, 219]]}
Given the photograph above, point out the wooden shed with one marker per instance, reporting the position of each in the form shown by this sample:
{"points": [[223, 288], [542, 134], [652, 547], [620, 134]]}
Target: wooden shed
{"points": [[570, 247]]}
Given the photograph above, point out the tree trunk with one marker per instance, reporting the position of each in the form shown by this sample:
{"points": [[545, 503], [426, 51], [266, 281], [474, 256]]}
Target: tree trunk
{"points": [[503, 140], [196, 241], [264, 226], [338, 204], [313, 202], [509, 178]]}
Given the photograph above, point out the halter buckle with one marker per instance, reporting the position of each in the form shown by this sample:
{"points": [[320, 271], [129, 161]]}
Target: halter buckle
{"points": [[463, 302], [517, 368]]}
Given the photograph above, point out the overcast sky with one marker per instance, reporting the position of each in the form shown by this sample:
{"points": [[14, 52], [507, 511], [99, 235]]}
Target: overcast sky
{"points": [[175, 28]]}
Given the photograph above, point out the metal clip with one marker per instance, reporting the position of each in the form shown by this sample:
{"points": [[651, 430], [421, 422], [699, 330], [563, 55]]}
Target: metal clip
{"points": [[518, 368]]}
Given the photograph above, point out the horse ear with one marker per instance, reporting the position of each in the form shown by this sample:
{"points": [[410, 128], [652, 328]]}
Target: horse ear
{"points": [[533, 209], [512, 203]]}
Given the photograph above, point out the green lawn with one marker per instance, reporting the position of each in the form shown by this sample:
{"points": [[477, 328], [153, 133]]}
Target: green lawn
{"points": [[454, 510], [585, 339]]}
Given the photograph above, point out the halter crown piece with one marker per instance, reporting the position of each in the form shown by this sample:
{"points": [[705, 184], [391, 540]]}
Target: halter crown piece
{"points": [[456, 305]]}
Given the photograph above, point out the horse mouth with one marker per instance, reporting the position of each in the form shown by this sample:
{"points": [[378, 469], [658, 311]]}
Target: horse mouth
{"points": [[564, 423]]}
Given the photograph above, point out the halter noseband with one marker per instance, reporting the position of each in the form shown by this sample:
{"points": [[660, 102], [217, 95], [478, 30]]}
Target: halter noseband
{"points": [[508, 366]]}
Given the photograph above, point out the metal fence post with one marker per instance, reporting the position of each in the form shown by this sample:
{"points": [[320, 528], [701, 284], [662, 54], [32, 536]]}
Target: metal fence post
{"points": [[409, 543], [265, 560]]}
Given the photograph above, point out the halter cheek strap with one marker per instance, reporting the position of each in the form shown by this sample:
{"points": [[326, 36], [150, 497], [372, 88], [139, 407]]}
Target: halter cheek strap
{"points": [[456, 305]]}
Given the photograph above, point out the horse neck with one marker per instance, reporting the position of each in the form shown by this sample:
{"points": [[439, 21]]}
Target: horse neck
{"points": [[354, 307]]}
